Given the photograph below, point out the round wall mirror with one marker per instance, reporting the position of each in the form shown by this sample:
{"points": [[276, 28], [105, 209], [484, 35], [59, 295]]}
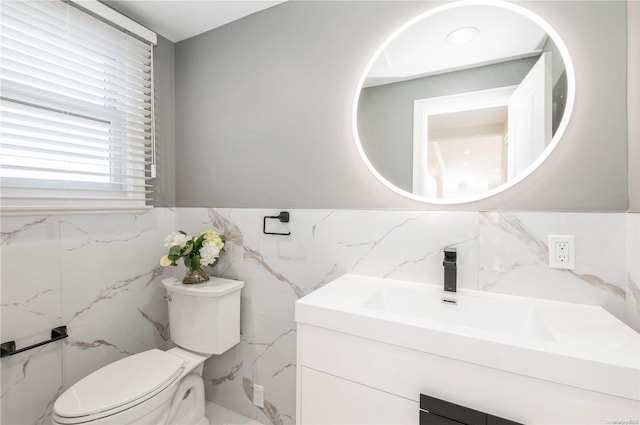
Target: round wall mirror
{"points": [[463, 102]]}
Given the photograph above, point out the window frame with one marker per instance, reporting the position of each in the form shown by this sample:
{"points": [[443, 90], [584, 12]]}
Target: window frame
{"points": [[23, 195]]}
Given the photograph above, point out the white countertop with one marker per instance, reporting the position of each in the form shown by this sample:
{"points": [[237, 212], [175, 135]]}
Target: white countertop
{"points": [[573, 344]]}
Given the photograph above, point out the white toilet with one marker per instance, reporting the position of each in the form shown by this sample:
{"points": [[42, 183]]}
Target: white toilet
{"points": [[162, 387]]}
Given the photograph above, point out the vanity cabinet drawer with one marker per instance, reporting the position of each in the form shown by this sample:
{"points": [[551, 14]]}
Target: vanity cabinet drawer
{"points": [[453, 411], [427, 418], [494, 420], [330, 400], [434, 411]]}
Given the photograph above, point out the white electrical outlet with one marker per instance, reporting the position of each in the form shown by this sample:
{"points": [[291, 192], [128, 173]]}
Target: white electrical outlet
{"points": [[258, 395], [562, 252]]}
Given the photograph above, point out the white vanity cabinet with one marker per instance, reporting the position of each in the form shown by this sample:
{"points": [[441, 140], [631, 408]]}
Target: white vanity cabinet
{"points": [[331, 400], [344, 379], [359, 366]]}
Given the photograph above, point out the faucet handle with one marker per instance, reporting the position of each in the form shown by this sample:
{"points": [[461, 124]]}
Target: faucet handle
{"points": [[450, 269], [450, 254]]}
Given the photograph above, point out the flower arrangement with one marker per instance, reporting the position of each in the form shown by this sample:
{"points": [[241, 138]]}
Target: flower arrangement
{"points": [[197, 251]]}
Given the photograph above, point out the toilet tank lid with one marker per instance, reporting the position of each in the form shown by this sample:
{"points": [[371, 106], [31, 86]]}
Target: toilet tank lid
{"points": [[118, 384], [215, 287]]}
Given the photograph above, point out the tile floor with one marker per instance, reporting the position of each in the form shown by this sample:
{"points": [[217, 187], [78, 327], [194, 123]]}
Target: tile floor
{"points": [[219, 415]]}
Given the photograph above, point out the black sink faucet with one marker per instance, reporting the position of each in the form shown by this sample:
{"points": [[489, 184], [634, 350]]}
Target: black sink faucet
{"points": [[450, 273]]}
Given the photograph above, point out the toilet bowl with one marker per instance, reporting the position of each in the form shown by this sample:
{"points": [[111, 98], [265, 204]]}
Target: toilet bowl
{"points": [[158, 387]]}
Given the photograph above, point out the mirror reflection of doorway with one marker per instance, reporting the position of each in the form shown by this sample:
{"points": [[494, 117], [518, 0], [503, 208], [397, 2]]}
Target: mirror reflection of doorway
{"points": [[456, 135], [467, 152], [471, 143]]}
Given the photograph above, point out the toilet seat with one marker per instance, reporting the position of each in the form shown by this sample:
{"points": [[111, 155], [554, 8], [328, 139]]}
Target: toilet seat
{"points": [[118, 386]]}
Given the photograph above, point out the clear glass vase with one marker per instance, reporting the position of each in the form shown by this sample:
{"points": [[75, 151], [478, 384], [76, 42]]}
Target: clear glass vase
{"points": [[196, 275]]}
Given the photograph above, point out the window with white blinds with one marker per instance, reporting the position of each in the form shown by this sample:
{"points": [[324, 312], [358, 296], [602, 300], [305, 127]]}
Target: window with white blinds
{"points": [[76, 111]]}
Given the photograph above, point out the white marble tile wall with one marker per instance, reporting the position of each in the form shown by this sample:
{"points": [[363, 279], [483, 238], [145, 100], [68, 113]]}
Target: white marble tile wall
{"points": [[502, 252], [278, 270], [514, 257], [97, 274]]}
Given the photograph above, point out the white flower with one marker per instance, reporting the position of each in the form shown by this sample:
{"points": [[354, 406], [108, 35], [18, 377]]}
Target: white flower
{"points": [[213, 236], [176, 238], [209, 253]]}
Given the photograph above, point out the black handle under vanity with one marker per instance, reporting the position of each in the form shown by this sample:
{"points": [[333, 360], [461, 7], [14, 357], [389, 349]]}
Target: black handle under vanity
{"points": [[283, 217], [434, 411], [9, 348]]}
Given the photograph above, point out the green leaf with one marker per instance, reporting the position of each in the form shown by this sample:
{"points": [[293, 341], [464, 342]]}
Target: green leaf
{"points": [[174, 250], [180, 231], [188, 248], [198, 243], [174, 257], [195, 262]]}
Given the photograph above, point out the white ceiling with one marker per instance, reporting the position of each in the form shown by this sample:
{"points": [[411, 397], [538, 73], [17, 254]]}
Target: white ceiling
{"points": [[178, 20], [422, 49]]}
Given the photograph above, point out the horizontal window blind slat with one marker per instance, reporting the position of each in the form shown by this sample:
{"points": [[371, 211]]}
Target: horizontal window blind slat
{"points": [[38, 37], [15, 188], [76, 208], [93, 201], [10, 141], [17, 192], [26, 56], [105, 96], [56, 23], [117, 141], [79, 142], [76, 111], [135, 125], [71, 172], [50, 67], [20, 184], [76, 194], [99, 84], [118, 160], [102, 33], [134, 201], [97, 127], [58, 52], [16, 92], [79, 127], [8, 146]]}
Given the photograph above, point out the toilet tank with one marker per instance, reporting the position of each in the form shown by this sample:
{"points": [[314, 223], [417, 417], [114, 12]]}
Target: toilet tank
{"points": [[204, 317]]}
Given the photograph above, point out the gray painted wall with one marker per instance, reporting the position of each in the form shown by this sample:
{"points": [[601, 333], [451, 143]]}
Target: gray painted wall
{"points": [[633, 76], [263, 111], [164, 186], [385, 113]]}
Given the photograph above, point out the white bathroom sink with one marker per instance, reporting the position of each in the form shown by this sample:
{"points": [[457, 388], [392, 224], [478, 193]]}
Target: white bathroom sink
{"points": [[583, 346], [461, 311]]}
